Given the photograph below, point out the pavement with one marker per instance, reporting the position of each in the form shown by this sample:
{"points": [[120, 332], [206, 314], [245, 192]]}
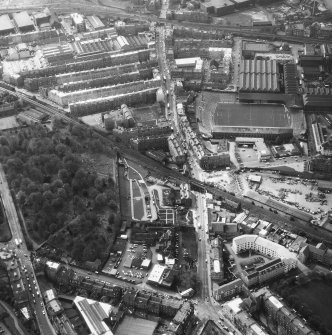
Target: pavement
{"points": [[23, 256]]}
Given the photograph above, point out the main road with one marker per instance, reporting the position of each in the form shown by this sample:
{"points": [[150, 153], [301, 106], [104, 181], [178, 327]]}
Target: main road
{"points": [[23, 256], [158, 170]]}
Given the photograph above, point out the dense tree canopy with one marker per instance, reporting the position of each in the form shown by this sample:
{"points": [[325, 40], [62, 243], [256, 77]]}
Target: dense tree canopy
{"points": [[60, 197]]}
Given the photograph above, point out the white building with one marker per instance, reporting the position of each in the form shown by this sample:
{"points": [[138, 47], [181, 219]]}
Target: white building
{"points": [[156, 274], [265, 247]]}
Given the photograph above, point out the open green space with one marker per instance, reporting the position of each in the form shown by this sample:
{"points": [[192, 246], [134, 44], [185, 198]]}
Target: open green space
{"points": [[318, 295], [138, 209], [311, 296], [65, 196]]}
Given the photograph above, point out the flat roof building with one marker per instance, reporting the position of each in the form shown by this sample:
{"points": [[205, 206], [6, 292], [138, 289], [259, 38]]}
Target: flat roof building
{"points": [[187, 62], [156, 275], [23, 21], [6, 25]]}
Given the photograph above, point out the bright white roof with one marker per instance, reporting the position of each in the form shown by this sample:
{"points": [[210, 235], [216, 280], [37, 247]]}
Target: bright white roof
{"points": [[146, 262], [216, 266], [187, 61], [257, 330], [281, 251], [234, 305], [49, 295], [156, 273], [77, 18], [254, 178], [52, 265], [275, 302]]}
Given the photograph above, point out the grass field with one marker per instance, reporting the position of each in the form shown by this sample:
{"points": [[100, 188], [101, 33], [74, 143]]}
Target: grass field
{"points": [[250, 115], [317, 295], [136, 190], [138, 209]]}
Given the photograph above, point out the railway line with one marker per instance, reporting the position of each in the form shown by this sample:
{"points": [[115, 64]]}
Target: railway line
{"points": [[160, 171]]}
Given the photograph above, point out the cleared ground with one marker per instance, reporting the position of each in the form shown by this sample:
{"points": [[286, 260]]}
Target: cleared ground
{"points": [[148, 115]]}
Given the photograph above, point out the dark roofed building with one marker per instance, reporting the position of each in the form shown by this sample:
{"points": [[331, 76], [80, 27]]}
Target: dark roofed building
{"points": [[317, 103], [310, 60], [290, 78], [43, 17]]}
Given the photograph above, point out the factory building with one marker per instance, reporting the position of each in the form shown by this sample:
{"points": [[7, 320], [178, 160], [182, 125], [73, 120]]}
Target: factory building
{"points": [[290, 78], [123, 43], [58, 53], [78, 22], [23, 22], [94, 313], [259, 76], [95, 22], [317, 103], [6, 25]]}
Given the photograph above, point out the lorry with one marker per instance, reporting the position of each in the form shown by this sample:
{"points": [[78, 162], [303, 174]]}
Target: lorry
{"points": [[17, 242]]}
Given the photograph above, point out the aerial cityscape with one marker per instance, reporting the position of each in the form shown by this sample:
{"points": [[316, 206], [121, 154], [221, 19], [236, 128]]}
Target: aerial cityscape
{"points": [[166, 167]]}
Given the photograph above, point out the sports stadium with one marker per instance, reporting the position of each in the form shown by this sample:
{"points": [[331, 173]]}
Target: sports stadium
{"points": [[254, 120]]}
